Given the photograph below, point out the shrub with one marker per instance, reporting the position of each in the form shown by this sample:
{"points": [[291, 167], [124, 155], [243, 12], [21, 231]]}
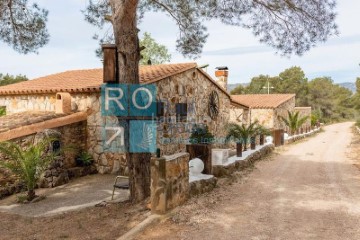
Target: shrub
{"points": [[201, 134]]}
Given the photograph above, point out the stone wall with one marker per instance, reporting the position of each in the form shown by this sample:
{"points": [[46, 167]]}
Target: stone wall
{"points": [[239, 115], [193, 88], [169, 182], [282, 110], [264, 116], [304, 112]]}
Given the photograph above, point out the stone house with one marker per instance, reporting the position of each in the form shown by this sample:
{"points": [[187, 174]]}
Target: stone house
{"points": [[266, 108], [71, 102]]}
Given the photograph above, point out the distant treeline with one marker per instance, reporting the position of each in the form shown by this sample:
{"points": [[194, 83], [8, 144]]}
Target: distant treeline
{"points": [[10, 79]]}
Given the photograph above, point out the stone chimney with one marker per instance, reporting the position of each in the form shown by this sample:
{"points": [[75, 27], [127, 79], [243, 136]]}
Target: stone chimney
{"points": [[222, 74], [63, 103]]}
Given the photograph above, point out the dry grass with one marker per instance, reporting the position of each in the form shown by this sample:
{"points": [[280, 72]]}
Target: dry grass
{"points": [[106, 222]]}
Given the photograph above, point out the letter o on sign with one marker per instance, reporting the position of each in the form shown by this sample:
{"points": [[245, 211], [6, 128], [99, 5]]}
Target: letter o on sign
{"points": [[134, 98]]}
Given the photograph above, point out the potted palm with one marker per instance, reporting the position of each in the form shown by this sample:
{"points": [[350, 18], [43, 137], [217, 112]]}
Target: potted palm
{"points": [[263, 131], [234, 132], [242, 133]]}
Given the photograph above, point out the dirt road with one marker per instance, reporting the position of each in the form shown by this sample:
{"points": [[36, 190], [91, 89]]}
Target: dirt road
{"points": [[309, 190]]}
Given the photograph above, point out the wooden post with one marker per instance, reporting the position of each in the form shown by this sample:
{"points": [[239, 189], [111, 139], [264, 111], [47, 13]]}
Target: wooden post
{"points": [[110, 63]]}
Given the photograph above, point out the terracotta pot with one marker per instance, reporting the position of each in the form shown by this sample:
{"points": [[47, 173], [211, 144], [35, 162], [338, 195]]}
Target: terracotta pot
{"points": [[253, 143], [262, 139], [239, 149]]}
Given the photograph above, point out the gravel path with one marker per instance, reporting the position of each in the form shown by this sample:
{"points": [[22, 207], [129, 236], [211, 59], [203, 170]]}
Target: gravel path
{"points": [[309, 190]]}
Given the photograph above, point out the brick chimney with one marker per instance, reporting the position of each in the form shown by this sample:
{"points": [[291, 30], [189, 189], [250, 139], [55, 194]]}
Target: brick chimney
{"points": [[222, 74]]}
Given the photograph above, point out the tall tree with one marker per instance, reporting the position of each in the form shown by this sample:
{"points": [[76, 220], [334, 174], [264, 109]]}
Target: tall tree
{"points": [[154, 53], [291, 27], [293, 80]]}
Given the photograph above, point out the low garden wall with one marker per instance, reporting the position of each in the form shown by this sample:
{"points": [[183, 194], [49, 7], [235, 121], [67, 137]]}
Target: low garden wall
{"points": [[169, 182], [239, 163], [298, 137]]}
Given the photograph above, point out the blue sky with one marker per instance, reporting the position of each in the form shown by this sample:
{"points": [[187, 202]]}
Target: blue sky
{"points": [[71, 47]]}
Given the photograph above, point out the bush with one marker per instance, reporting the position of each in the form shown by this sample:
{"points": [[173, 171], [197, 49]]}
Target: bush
{"points": [[358, 123], [201, 134]]}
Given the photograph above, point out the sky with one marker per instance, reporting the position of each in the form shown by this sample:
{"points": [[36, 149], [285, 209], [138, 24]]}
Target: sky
{"points": [[71, 47]]}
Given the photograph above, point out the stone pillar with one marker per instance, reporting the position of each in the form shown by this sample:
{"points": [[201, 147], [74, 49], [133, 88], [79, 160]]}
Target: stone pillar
{"points": [[169, 182]]}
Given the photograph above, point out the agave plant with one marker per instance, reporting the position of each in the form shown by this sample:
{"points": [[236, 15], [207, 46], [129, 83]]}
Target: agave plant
{"points": [[242, 133], [294, 122], [28, 163]]}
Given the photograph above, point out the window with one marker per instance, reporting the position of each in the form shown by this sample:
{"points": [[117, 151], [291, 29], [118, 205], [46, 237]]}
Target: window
{"points": [[181, 112], [160, 109]]}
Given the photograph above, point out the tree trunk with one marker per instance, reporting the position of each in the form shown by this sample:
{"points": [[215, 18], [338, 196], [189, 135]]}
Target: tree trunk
{"points": [[31, 194], [127, 42]]}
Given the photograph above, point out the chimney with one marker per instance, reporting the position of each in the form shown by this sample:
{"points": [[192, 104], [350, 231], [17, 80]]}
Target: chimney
{"points": [[222, 74], [63, 103], [110, 63]]}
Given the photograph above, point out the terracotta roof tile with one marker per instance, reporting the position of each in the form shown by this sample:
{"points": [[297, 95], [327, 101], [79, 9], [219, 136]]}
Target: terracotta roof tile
{"points": [[89, 80], [262, 100]]}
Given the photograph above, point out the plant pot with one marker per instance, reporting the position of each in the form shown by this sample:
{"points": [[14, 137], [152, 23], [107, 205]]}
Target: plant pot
{"points": [[262, 137], [239, 149], [253, 143]]}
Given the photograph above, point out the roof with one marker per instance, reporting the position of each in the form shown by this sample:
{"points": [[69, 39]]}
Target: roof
{"points": [[25, 123], [262, 100], [89, 80]]}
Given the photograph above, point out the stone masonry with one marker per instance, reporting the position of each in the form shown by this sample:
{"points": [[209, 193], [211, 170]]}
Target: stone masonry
{"points": [[169, 182]]}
